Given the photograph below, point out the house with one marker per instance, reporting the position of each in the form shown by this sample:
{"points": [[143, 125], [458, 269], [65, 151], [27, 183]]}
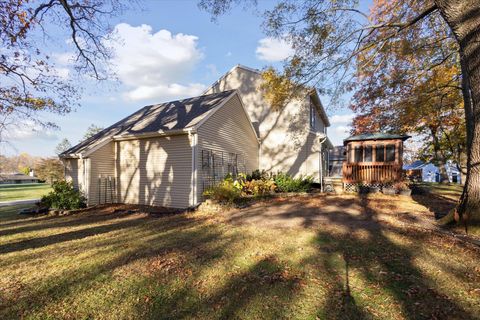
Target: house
{"points": [[168, 154], [428, 172], [373, 159], [17, 178], [293, 140]]}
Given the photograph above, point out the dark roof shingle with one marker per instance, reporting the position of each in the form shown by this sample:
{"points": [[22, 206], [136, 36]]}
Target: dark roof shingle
{"points": [[164, 117], [376, 136]]}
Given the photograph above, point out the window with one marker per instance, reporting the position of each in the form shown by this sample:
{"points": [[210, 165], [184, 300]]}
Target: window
{"points": [[358, 154], [367, 156], [390, 150], [380, 153], [312, 117]]}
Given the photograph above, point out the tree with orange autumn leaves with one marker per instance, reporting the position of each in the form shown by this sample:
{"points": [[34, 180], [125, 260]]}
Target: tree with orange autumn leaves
{"points": [[413, 85]]}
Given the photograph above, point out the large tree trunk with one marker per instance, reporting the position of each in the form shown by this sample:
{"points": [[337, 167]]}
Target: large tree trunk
{"points": [[463, 17]]}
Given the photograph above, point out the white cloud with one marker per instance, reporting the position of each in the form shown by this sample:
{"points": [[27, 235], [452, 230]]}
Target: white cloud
{"points": [[345, 118], [340, 129], [28, 130], [272, 49], [65, 58], [152, 64], [165, 91]]}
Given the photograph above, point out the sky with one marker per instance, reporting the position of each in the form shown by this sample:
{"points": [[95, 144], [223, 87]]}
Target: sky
{"points": [[167, 50]]}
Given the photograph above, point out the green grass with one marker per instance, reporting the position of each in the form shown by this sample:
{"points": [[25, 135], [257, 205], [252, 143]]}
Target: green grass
{"points": [[21, 192], [105, 265], [452, 191]]}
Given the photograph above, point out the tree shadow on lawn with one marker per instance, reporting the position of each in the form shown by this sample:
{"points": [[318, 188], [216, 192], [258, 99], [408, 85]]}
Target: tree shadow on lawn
{"points": [[169, 262], [382, 263], [437, 204], [199, 245], [265, 290], [356, 232]]}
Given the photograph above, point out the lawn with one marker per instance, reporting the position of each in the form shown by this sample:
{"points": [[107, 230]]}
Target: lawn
{"points": [[22, 192], [317, 257]]}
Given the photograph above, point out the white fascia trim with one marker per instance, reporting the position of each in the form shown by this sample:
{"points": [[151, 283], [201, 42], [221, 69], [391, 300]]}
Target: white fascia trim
{"points": [[152, 134]]}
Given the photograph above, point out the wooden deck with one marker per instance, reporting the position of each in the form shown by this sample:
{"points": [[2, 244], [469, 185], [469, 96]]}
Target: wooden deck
{"points": [[371, 172]]}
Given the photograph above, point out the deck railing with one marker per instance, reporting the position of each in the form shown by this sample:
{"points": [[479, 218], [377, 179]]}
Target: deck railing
{"points": [[371, 173]]}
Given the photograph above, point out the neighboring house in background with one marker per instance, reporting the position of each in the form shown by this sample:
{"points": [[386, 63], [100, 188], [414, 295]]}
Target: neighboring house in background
{"points": [[167, 154], [17, 178], [428, 172]]}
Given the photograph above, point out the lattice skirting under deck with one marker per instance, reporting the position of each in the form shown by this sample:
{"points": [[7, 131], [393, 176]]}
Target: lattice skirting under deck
{"points": [[356, 187]]}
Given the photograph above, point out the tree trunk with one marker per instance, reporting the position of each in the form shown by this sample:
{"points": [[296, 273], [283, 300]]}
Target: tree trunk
{"points": [[463, 17]]}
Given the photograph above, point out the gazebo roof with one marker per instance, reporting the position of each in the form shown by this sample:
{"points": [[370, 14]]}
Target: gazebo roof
{"points": [[376, 136]]}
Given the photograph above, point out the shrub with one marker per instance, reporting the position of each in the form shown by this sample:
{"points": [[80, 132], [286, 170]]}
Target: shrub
{"points": [[287, 183], [64, 197], [259, 187], [258, 175], [225, 191]]}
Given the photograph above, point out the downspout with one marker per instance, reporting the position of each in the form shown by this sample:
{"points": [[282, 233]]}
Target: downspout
{"points": [[193, 137], [321, 163]]}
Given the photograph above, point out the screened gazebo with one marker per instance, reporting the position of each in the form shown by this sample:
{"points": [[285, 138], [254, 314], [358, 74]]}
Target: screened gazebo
{"points": [[373, 159]]}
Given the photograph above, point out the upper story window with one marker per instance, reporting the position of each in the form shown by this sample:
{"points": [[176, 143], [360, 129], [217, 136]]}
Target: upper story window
{"points": [[313, 118]]}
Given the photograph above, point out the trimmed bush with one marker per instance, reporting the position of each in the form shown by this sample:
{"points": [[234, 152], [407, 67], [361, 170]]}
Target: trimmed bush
{"points": [[64, 197], [287, 183]]}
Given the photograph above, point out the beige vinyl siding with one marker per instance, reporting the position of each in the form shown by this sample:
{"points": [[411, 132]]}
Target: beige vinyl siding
{"points": [[286, 139], [155, 171], [74, 172], [283, 133], [228, 130], [312, 157], [101, 164]]}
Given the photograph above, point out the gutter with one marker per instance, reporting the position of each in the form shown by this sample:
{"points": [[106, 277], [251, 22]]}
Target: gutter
{"points": [[153, 134]]}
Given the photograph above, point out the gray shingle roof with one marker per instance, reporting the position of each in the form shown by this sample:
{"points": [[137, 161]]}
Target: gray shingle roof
{"points": [[376, 136], [164, 117]]}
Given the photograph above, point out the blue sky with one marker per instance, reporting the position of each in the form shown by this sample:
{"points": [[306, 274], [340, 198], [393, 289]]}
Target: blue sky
{"points": [[169, 50]]}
